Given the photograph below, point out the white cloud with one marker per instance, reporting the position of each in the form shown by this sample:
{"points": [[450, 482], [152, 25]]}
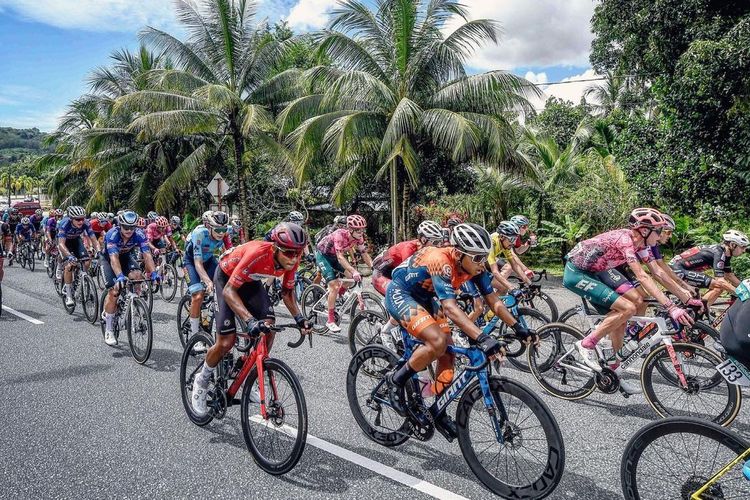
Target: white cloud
{"points": [[95, 15], [536, 33], [537, 78], [309, 15], [566, 91], [44, 120]]}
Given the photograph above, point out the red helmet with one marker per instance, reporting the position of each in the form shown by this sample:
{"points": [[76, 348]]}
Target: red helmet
{"points": [[289, 235], [649, 218], [141, 223], [162, 222], [356, 222]]}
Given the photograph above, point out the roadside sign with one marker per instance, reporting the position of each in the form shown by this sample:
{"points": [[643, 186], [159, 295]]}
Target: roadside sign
{"points": [[218, 186]]}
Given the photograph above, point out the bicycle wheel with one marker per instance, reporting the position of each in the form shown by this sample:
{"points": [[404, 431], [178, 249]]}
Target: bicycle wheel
{"points": [[30, 260], [368, 399], [534, 320], [100, 281], [371, 302], [140, 330], [675, 457], [545, 305], [89, 299], [554, 363], [299, 286], [702, 398], [364, 329], [530, 461], [192, 362], [168, 287], [315, 309], [22, 257], [575, 318], [51, 267], [277, 440], [147, 295]]}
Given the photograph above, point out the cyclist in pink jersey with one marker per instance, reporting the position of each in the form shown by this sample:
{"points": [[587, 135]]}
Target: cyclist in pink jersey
{"points": [[607, 251]]}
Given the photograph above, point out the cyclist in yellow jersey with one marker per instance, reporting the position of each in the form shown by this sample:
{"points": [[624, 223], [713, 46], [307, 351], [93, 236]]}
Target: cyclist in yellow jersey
{"points": [[502, 244]]}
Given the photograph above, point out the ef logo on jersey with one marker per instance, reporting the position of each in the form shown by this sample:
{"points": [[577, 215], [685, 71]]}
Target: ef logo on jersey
{"points": [[586, 285]]}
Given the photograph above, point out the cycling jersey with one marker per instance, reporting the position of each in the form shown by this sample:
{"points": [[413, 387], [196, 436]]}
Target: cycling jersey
{"points": [[253, 261], [114, 243], [202, 246], [67, 230], [51, 226], [324, 232], [649, 254], [98, 228], [383, 265], [13, 221], [704, 257], [498, 250], [341, 240], [36, 221], [25, 231], [154, 232], [605, 251]]}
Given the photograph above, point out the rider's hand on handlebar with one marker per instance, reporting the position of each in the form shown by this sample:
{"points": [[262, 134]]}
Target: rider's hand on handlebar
{"points": [[488, 345], [304, 324], [120, 281], [356, 276], [255, 328], [680, 315], [209, 287], [697, 303], [526, 334]]}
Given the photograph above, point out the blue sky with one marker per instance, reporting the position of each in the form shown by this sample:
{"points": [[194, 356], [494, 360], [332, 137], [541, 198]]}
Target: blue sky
{"points": [[48, 47]]}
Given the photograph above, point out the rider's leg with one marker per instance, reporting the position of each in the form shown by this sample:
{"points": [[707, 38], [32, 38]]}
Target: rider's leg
{"points": [[333, 291], [715, 289]]}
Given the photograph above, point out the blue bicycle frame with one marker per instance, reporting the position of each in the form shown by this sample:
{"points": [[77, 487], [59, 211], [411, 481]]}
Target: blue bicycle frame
{"points": [[511, 303]]}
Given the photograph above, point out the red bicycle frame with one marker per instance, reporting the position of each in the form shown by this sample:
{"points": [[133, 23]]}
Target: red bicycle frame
{"points": [[253, 358]]}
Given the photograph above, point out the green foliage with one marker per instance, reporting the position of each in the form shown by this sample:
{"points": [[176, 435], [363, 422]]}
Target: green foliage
{"points": [[559, 120]]}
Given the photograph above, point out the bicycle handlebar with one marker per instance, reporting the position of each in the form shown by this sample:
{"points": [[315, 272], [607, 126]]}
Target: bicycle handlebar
{"points": [[299, 341]]}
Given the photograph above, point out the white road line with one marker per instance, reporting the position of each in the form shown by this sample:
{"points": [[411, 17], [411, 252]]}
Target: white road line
{"points": [[372, 465], [22, 315]]}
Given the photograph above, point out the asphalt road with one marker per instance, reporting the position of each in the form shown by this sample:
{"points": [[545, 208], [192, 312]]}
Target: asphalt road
{"points": [[81, 419]]}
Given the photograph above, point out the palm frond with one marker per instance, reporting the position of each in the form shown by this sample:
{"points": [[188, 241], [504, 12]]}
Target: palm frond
{"points": [[181, 178], [453, 132], [405, 120]]}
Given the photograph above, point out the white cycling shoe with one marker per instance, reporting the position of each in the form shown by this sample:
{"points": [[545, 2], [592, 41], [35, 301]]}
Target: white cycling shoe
{"points": [[589, 357], [333, 327], [630, 387], [69, 301], [198, 400], [109, 338]]}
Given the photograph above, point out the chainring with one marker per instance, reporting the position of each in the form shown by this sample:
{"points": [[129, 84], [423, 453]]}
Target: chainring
{"points": [[607, 381]]}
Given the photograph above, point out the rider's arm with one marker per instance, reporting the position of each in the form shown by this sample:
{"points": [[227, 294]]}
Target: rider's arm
{"points": [[673, 275], [341, 257], [368, 260], [648, 283], [666, 280], [733, 279], [62, 247], [459, 318], [114, 261], [290, 301], [504, 283], [519, 268]]}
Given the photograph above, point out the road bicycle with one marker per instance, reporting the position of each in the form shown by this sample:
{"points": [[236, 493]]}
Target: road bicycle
{"points": [[207, 314], [38, 247], [84, 292], [52, 261], [314, 302], [132, 316], [534, 298], [273, 408], [685, 458], [507, 435], [169, 283], [25, 255], [678, 378]]}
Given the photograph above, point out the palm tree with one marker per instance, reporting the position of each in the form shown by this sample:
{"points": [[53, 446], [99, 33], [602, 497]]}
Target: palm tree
{"points": [[398, 84], [566, 233], [608, 95]]}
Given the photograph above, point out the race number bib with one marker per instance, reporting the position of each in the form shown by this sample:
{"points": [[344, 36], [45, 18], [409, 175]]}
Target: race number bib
{"points": [[734, 373]]}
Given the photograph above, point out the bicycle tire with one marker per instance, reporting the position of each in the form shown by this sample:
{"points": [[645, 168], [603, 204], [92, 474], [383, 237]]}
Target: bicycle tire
{"points": [[276, 424], [359, 338], [100, 281], [183, 320], [138, 306], [691, 352], [677, 483], [30, 261], [51, 267], [89, 297], [393, 434], [1, 298], [310, 297], [190, 356], [168, 286], [549, 309], [22, 257], [544, 481], [521, 362], [574, 318], [371, 301], [556, 339]]}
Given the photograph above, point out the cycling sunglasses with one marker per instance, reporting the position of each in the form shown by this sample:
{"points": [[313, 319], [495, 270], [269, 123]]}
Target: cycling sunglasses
{"points": [[127, 227], [220, 230], [79, 219], [289, 253], [477, 259]]}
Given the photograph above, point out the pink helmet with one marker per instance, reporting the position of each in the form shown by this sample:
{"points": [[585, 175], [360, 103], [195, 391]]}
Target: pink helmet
{"points": [[648, 218], [162, 222], [289, 235], [356, 222]]}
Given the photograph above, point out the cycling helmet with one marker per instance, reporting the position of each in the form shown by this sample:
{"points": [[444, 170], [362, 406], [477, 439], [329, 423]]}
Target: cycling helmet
{"points": [[38, 212], [669, 221], [205, 216], [454, 221], [141, 223], [340, 220], [162, 222], [25, 221], [648, 218], [216, 219], [520, 220], [76, 212], [110, 216], [295, 217], [175, 220], [94, 215], [508, 229], [356, 222], [102, 217], [430, 230], [152, 215], [289, 235], [58, 213], [127, 218], [471, 239], [737, 237]]}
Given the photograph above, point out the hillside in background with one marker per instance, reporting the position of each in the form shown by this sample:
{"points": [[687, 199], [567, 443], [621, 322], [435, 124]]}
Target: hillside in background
{"points": [[15, 143]]}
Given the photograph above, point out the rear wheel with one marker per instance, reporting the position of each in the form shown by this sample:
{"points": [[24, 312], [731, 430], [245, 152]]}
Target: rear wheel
{"points": [[545, 305], [314, 308], [52, 266], [140, 330], [534, 320], [193, 358], [365, 329], [370, 302], [206, 322]]}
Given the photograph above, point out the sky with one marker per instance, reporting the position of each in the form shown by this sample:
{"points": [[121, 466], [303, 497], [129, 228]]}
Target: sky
{"points": [[49, 47]]}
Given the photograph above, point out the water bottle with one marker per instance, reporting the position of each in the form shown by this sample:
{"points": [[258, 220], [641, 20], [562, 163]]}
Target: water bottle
{"points": [[743, 291], [425, 383], [627, 348]]}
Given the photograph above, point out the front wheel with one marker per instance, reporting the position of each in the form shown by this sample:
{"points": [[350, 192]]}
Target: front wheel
{"points": [[89, 299], [51, 266], [364, 329], [545, 305], [675, 457], [169, 285], [527, 460], [277, 439], [191, 365], [370, 302], [140, 330], [534, 320], [701, 397]]}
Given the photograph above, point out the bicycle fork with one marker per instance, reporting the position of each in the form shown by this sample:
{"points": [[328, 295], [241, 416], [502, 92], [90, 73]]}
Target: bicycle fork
{"points": [[676, 363], [490, 404]]}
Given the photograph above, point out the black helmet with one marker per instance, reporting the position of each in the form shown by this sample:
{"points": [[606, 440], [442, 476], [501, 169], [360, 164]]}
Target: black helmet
{"points": [[289, 235]]}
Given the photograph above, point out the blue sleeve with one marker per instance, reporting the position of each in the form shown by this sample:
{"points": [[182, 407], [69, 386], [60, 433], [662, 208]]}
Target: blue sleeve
{"points": [[141, 241], [443, 287], [62, 228], [657, 252], [18, 229], [483, 282], [196, 238], [111, 242], [470, 288]]}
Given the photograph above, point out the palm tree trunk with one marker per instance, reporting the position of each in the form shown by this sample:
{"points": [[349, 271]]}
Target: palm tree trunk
{"points": [[406, 194], [394, 201], [540, 210], [239, 152]]}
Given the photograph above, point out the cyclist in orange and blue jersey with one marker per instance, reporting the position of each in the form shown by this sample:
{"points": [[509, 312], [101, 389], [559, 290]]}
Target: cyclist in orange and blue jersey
{"points": [[422, 297]]}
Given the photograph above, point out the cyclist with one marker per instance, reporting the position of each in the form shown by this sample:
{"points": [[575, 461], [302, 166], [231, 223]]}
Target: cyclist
{"points": [[200, 261], [502, 248], [735, 327], [24, 232], [339, 222], [690, 264], [36, 220], [151, 217], [100, 224], [606, 251], [71, 233], [50, 231], [514, 264], [331, 258], [118, 261], [451, 223], [159, 235], [520, 247], [423, 293], [240, 292], [235, 230], [13, 218]]}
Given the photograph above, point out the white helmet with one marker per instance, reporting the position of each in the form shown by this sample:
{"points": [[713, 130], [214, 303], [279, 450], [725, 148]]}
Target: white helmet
{"points": [[76, 212], [471, 239], [736, 237], [430, 230], [295, 217], [216, 219]]}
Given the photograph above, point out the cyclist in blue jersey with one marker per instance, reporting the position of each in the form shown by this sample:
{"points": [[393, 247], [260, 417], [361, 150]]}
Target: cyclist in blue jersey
{"points": [[50, 232], [24, 231], [200, 261], [118, 260], [71, 232]]}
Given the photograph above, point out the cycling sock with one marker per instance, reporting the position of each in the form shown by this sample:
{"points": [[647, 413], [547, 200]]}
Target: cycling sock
{"points": [[205, 375], [331, 316], [403, 374], [195, 324], [590, 341], [109, 319]]}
